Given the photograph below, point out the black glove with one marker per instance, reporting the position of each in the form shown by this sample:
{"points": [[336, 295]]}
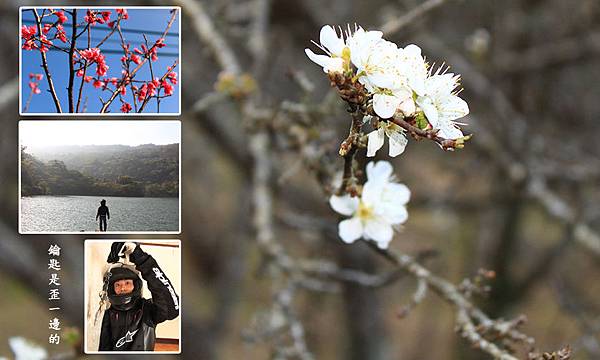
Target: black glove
{"points": [[115, 250], [137, 256]]}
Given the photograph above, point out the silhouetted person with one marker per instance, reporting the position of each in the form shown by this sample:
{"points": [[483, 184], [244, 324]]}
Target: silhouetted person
{"points": [[103, 214]]}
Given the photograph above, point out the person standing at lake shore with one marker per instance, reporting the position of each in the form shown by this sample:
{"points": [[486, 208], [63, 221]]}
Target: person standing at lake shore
{"points": [[103, 214]]}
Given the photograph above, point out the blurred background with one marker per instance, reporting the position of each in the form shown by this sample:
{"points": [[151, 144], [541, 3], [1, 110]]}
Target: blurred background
{"points": [[521, 199]]}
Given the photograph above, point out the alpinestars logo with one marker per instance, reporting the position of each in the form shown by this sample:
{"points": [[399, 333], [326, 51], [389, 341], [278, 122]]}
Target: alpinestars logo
{"points": [[125, 339], [161, 277]]}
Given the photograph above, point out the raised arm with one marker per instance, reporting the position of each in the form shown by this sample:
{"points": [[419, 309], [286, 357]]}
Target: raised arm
{"points": [[165, 301]]}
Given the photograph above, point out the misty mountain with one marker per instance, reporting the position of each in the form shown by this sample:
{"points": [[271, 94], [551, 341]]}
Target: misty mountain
{"points": [[146, 163], [111, 170]]}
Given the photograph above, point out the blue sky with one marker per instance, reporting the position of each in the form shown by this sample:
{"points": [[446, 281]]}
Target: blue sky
{"points": [[152, 22]]}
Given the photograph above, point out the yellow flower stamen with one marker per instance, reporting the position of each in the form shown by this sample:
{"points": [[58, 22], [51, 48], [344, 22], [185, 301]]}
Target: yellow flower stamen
{"points": [[365, 212], [346, 58]]}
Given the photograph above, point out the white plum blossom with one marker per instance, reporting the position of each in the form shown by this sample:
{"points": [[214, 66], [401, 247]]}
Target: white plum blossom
{"points": [[381, 205], [387, 102], [397, 139], [413, 67], [334, 46], [329, 39], [26, 350], [397, 82], [372, 57], [389, 72], [393, 74], [441, 104]]}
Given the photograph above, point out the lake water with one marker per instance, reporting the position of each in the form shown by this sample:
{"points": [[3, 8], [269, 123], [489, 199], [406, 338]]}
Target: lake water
{"points": [[78, 213]]}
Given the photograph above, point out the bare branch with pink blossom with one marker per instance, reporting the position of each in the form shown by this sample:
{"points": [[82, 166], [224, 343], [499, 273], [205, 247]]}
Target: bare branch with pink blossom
{"points": [[43, 36]]}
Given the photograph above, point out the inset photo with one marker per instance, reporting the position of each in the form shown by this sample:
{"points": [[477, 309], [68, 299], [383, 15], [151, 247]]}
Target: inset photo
{"points": [[132, 301], [99, 176], [100, 60]]}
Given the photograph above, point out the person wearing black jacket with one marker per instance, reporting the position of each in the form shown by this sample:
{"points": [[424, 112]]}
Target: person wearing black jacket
{"points": [[129, 323], [103, 214]]}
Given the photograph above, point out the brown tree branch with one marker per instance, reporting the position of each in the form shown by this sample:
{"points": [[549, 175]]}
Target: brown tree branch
{"points": [[204, 28], [71, 66], [38, 22]]}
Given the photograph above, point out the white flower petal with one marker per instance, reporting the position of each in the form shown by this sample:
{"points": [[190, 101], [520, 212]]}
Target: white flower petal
{"points": [[371, 192], [330, 40], [379, 230], [385, 105], [350, 230], [408, 107], [361, 45], [382, 80], [414, 67], [403, 93], [24, 349], [345, 205], [394, 213], [438, 86], [453, 107], [449, 131], [322, 60], [379, 171], [412, 50], [396, 193], [335, 65], [359, 49], [328, 63], [383, 245], [375, 141], [373, 35], [397, 142]]}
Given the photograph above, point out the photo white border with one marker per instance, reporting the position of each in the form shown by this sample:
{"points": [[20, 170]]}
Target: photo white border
{"points": [[85, 300], [177, 232], [68, 114]]}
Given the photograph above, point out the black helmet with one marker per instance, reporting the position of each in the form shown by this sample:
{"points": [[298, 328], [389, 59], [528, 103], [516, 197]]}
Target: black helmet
{"points": [[123, 301]]}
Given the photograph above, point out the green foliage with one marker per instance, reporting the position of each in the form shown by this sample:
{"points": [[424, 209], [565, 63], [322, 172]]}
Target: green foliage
{"points": [[147, 170]]}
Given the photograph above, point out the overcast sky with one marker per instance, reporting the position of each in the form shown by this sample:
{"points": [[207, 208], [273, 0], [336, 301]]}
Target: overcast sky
{"points": [[103, 132]]}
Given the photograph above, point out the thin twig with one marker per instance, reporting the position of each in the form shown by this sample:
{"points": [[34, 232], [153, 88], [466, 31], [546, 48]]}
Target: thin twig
{"points": [[71, 65], [127, 62], [406, 19], [152, 77], [451, 294], [347, 150], [85, 66], [117, 22], [28, 102]]}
